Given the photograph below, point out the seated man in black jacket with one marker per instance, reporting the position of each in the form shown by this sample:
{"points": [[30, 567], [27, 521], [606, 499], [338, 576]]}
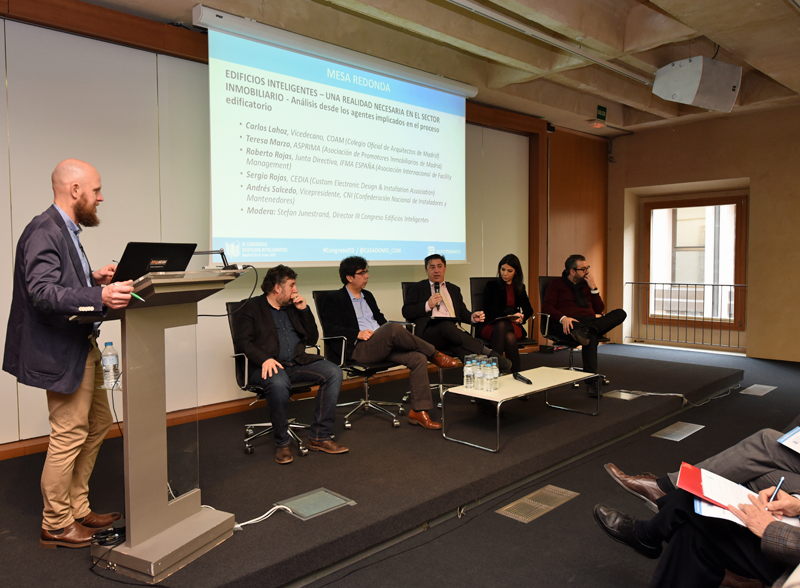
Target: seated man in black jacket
{"points": [[353, 313], [273, 331], [433, 298]]}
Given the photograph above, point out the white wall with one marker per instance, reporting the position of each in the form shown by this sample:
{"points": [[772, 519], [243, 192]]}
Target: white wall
{"points": [[142, 120]]}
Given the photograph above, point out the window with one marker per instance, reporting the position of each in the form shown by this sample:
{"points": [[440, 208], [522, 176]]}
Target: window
{"points": [[694, 260]]}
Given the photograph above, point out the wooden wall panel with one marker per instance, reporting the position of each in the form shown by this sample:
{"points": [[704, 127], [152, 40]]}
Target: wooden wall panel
{"points": [[578, 202]]}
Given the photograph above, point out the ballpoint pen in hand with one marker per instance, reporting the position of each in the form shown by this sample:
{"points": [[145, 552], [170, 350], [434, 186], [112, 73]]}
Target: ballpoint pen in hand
{"points": [[778, 487]]}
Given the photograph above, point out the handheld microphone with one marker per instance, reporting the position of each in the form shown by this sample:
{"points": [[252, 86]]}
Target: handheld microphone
{"points": [[436, 289]]}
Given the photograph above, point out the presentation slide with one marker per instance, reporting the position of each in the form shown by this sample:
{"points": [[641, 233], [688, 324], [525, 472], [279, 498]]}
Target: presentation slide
{"points": [[312, 160]]}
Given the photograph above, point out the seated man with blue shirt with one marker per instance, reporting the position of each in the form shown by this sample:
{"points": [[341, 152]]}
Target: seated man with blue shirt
{"points": [[353, 313], [273, 331]]}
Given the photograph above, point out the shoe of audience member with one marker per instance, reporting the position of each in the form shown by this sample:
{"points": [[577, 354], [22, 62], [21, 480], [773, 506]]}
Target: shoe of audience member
{"points": [[591, 389], [642, 486], [581, 334], [422, 419], [735, 581], [74, 536], [283, 454], [99, 521], [326, 446], [620, 527], [443, 361]]}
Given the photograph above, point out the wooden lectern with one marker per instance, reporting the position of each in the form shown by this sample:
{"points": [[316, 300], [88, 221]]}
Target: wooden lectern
{"points": [[162, 535]]}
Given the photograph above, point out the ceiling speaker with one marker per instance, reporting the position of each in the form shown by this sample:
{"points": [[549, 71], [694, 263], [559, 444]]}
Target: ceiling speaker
{"points": [[699, 81]]}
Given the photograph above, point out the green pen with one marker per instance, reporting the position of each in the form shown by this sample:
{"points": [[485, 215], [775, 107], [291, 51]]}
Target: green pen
{"points": [[135, 295]]}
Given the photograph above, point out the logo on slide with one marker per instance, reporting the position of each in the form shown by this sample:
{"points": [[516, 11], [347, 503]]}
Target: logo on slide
{"points": [[233, 249], [431, 249]]}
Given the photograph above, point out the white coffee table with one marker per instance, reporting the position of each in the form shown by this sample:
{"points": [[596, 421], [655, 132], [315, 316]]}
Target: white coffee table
{"points": [[542, 379]]}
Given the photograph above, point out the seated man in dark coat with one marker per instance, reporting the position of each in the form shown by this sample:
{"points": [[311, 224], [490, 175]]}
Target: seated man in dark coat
{"points": [[353, 313], [273, 331], [434, 298], [574, 302], [700, 549]]}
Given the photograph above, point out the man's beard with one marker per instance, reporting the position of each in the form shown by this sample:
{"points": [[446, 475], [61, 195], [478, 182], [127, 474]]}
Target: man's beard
{"points": [[85, 213]]}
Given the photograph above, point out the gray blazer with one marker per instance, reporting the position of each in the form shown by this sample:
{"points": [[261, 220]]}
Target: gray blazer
{"points": [[43, 347]]}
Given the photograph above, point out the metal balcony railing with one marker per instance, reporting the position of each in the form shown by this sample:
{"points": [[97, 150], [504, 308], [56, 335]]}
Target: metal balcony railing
{"points": [[691, 314]]}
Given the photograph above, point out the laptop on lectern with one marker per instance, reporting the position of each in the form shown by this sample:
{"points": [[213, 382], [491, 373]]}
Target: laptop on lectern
{"points": [[142, 258]]}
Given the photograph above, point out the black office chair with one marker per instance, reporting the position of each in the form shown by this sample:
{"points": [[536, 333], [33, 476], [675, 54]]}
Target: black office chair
{"points": [[242, 369], [335, 348], [555, 333], [441, 386], [477, 286]]}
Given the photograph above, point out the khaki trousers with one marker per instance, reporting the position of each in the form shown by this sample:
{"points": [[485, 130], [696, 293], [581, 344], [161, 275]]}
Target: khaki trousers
{"points": [[79, 423]]}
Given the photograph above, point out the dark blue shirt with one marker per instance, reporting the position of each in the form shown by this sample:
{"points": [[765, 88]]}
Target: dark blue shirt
{"points": [[287, 336]]}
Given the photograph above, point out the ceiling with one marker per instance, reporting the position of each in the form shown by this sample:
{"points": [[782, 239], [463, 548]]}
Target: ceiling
{"points": [[518, 72]]}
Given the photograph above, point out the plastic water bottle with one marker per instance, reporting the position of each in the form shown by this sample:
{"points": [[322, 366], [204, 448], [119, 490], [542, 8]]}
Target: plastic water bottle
{"points": [[110, 361], [469, 374], [495, 375], [478, 375]]}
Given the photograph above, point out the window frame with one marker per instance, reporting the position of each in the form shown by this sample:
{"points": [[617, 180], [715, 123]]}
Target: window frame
{"points": [[740, 261]]}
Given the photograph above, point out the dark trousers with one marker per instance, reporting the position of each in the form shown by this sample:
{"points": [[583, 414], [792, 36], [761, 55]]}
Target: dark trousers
{"points": [[597, 327], [279, 389], [393, 342], [448, 338], [701, 548]]}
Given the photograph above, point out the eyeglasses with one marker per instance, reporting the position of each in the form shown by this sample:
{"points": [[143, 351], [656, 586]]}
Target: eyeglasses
{"points": [[583, 269], [362, 272]]}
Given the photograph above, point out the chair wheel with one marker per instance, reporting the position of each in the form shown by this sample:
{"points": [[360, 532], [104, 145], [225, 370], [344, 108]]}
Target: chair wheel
{"points": [[248, 449], [303, 451], [248, 432], [395, 423], [347, 425], [401, 410]]}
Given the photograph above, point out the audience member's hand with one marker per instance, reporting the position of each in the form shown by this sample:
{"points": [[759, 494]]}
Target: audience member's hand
{"points": [[365, 334], [567, 323], [755, 515], [117, 295], [103, 276], [784, 505], [269, 367], [299, 302], [519, 316], [478, 316]]}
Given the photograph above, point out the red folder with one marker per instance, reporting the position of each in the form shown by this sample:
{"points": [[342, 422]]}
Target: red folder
{"points": [[690, 479]]}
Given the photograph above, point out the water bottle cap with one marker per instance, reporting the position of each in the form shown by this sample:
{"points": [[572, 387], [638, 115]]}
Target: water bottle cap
{"points": [[108, 344]]}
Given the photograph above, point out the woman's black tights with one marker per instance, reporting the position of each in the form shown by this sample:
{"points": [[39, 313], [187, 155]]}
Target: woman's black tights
{"points": [[504, 341]]}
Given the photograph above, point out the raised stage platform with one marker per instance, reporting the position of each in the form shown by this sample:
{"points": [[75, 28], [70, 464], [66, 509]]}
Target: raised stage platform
{"points": [[399, 478]]}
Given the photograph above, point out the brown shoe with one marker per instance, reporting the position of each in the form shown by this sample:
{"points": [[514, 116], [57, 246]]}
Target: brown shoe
{"points": [[422, 419], [326, 446], [732, 580], [642, 486], [443, 361], [283, 454], [73, 536], [99, 521]]}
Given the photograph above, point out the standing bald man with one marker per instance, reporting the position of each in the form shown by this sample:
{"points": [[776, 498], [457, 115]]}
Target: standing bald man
{"points": [[52, 282]]}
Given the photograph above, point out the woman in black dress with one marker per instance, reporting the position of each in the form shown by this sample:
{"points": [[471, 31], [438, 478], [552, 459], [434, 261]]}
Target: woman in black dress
{"points": [[506, 296]]}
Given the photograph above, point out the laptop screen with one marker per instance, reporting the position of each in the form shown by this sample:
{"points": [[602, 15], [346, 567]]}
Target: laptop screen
{"points": [[142, 258]]}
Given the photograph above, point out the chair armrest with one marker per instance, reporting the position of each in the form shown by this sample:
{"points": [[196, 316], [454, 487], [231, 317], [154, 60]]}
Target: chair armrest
{"points": [[406, 324], [546, 323], [314, 347], [246, 368], [344, 346]]}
